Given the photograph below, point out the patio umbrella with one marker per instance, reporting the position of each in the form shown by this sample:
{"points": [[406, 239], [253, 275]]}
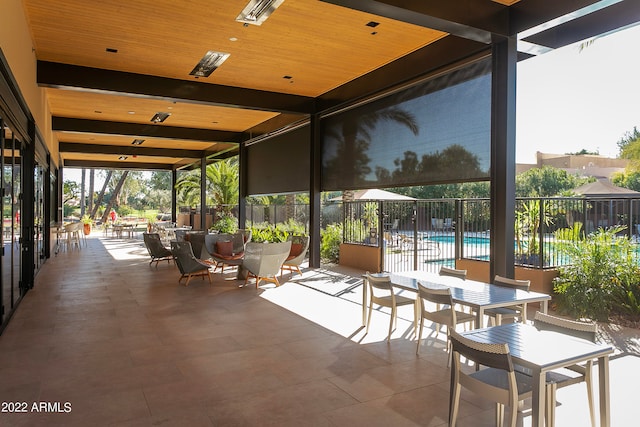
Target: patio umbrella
{"points": [[375, 194]]}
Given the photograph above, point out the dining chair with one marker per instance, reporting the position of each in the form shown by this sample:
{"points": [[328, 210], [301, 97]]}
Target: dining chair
{"points": [[73, 234], [448, 271], [518, 311], [572, 374], [459, 274], [497, 380], [381, 293], [443, 314], [187, 263]]}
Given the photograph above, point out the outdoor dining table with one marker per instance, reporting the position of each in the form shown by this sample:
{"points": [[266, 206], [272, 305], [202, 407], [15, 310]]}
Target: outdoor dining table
{"points": [[542, 351], [479, 296]]}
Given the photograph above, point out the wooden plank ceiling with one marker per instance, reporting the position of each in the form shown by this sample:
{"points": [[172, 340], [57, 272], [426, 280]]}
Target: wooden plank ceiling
{"points": [[109, 66]]}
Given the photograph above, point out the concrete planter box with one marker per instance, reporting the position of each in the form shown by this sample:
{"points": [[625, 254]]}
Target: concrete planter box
{"points": [[541, 280], [360, 256]]}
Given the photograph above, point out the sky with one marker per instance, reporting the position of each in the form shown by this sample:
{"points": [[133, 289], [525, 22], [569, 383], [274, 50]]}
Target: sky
{"points": [[569, 99]]}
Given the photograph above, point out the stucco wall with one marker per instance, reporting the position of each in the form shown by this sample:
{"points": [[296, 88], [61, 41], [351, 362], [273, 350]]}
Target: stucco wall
{"points": [[17, 47]]}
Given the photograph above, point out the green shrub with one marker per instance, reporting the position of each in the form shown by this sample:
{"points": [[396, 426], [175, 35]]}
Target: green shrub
{"points": [[226, 223], [125, 210], [269, 234], [602, 267], [330, 244]]}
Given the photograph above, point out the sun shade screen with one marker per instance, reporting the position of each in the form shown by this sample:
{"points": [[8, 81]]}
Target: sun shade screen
{"points": [[434, 132], [279, 164]]}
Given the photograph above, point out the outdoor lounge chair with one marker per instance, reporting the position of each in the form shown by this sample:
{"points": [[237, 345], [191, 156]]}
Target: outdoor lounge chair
{"points": [[188, 264], [225, 249], [299, 246], [156, 249], [264, 260]]}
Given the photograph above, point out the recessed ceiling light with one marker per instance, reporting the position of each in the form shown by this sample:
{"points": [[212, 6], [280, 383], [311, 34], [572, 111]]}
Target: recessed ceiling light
{"points": [[233, 39], [257, 11], [209, 62], [160, 117], [131, 112], [137, 142]]}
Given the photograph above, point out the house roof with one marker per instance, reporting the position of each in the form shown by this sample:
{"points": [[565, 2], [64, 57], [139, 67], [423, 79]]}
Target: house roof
{"points": [[604, 188]]}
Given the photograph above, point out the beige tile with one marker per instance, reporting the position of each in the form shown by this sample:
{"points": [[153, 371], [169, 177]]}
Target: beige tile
{"points": [[126, 345]]}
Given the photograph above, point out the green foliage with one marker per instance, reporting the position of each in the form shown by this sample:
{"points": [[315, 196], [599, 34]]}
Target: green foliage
{"points": [[221, 188], [86, 219], [590, 286], [126, 210], [572, 234], [546, 182], [270, 233], [370, 215], [226, 223], [527, 226], [627, 179], [330, 244]]}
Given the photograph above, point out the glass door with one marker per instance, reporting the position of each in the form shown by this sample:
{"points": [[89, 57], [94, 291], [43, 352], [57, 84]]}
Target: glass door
{"points": [[10, 266], [38, 217]]}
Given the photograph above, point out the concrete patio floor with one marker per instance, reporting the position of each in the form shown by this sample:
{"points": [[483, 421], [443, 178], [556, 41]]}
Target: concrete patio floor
{"points": [[105, 339]]}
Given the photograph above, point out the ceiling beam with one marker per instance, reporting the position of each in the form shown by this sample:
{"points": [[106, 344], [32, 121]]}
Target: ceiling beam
{"points": [[469, 19], [611, 18], [527, 14], [129, 150], [66, 124], [94, 164], [75, 77]]}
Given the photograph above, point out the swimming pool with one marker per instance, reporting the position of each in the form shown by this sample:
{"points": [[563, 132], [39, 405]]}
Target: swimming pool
{"points": [[468, 240]]}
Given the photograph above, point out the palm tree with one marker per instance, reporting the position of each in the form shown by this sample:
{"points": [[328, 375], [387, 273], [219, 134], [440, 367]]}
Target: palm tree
{"points": [[222, 187], [353, 141]]}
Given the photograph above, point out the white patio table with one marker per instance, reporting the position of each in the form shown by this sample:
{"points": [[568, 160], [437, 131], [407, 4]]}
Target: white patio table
{"points": [[542, 351], [479, 296]]}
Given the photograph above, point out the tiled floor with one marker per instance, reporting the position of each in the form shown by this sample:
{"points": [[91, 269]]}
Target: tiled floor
{"points": [[104, 339]]}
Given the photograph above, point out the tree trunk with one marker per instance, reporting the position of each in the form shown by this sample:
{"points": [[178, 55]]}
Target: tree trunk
{"points": [[101, 195], [290, 206], [114, 195], [82, 193], [91, 190]]}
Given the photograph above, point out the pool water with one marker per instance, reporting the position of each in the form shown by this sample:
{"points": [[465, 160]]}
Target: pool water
{"points": [[468, 240]]}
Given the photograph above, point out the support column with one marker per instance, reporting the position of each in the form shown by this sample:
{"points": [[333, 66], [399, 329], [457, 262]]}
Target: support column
{"points": [[242, 184], [503, 156], [315, 165], [203, 193], [174, 199]]}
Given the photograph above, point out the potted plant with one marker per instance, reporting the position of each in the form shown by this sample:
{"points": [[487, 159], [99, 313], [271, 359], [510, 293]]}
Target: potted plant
{"points": [[86, 220]]}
